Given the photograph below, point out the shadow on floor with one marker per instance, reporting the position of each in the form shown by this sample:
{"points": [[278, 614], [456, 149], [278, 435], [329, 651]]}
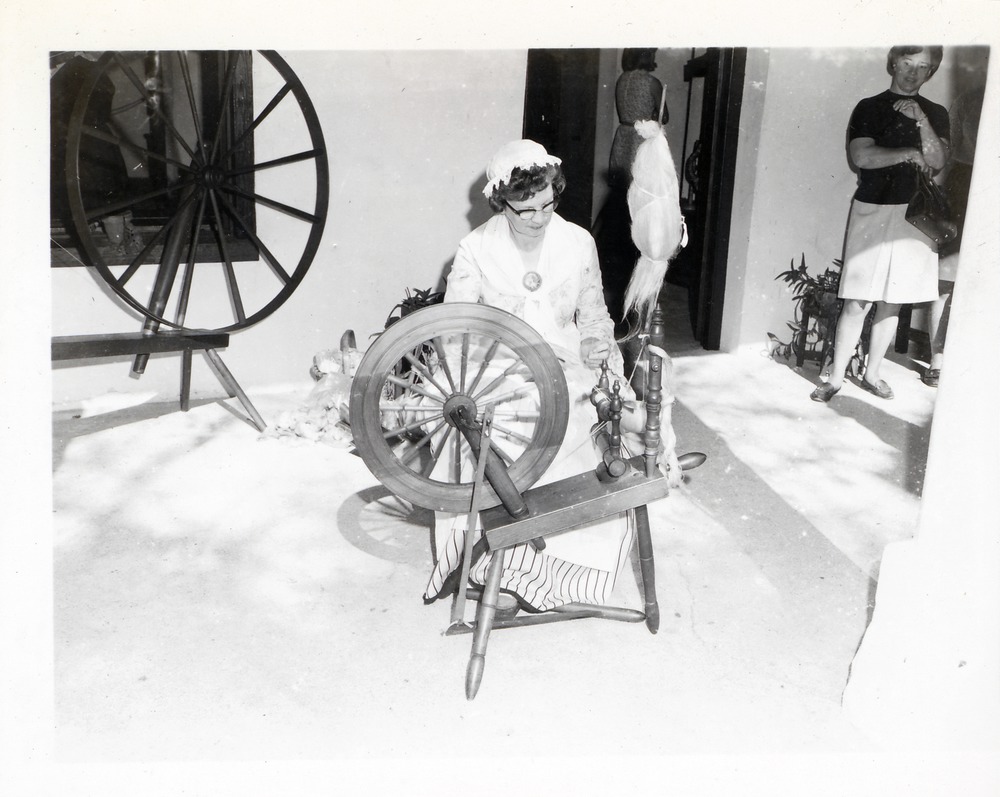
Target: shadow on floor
{"points": [[67, 425], [378, 523], [910, 439]]}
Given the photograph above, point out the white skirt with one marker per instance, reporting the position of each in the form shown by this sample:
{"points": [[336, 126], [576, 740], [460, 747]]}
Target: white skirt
{"points": [[887, 259]]}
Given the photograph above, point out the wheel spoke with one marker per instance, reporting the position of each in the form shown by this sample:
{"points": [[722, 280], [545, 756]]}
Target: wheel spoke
{"points": [[150, 103], [443, 359], [510, 434], [436, 454], [465, 359], [109, 210], [188, 276], [484, 365], [390, 433], [283, 161], [458, 459], [507, 372], [160, 233], [273, 203], [510, 395], [182, 59], [391, 406], [420, 369], [118, 140], [234, 288], [224, 104], [413, 388], [423, 441], [522, 416], [260, 118], [271, 260]]}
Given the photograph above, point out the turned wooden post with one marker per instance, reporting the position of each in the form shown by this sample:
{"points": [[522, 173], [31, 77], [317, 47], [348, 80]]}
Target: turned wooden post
{"points": [[654, 392]]}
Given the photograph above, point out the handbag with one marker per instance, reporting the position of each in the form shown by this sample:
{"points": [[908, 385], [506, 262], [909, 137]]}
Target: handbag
{"points": [[929, 212]]}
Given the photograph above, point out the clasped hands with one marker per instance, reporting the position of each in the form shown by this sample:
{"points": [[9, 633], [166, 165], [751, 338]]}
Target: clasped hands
{"points": [[911, 109]]}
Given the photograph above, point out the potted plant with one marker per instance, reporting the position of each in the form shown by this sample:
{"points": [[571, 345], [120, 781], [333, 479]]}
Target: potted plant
{"points": [[814, 321]]}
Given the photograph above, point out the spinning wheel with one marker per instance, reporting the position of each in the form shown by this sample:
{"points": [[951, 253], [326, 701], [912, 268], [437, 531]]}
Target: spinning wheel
{"points": [[458, 382], [199, 205], [447, 359], [210, 187]]}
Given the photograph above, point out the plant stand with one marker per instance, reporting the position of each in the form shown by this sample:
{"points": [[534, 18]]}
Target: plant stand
{"points": [[823, 307]]}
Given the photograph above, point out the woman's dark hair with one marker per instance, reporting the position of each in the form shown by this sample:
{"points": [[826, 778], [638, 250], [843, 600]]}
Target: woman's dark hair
{"points": [[525, 183], [935, 52], [639, 58]]}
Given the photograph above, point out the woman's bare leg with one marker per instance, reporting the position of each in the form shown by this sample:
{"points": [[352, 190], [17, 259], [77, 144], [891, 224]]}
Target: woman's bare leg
{"points": [[849, 326], [940, 311], [884, 326]]}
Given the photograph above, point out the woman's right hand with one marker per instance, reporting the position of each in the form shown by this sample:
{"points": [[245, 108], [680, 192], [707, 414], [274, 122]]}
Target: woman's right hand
{"points": [[916, 157]]}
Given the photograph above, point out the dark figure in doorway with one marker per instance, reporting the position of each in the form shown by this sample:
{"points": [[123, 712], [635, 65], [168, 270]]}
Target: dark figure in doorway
{"points": [[638, 96]]}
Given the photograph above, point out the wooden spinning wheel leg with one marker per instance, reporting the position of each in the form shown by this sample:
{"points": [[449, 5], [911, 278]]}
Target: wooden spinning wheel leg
{"points": [[234, 388], [186, 380], [484, 623], [647, 568]]}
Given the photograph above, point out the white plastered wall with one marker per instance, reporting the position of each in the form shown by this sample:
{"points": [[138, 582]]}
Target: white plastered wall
{"points": [[408, 134]]}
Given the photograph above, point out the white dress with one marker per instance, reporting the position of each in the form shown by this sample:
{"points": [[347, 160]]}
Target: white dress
{"points": [[582, 564]]}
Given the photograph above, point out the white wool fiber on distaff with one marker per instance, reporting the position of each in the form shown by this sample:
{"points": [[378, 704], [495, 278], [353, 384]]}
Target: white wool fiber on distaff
{"points": [[657, 224]]}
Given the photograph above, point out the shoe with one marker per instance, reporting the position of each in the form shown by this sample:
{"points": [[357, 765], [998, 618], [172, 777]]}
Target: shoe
{"points": [[507, 606], [824, 392], [931, 377], [882, 389]]}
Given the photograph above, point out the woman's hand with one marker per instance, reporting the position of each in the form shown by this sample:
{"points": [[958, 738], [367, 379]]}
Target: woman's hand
{"points": [[916, 157], [594, 351], [911, 109], [933, 150]]}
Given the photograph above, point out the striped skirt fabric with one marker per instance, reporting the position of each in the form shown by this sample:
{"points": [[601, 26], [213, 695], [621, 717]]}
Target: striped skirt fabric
{"points": [[579, 565], [541, 580]]}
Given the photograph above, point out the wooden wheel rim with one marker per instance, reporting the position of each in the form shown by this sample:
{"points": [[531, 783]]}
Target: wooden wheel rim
{"points": [[422, 327]]}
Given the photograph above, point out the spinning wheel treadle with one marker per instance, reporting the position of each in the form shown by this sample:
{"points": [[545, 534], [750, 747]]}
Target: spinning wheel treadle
{"points": [[449, 357]]}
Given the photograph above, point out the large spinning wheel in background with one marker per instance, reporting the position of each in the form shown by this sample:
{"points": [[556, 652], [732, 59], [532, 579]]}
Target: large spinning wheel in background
{"points": [[220, 174], [196, 185]]}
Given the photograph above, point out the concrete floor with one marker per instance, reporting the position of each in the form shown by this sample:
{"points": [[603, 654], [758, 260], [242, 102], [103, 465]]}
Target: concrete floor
{"points": [[222, 596]]}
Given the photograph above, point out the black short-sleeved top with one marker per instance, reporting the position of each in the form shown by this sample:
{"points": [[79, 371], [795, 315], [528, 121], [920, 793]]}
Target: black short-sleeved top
{"points": [[875, 118]]}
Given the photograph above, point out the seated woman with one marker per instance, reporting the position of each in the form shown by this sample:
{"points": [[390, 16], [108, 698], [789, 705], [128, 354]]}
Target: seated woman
{"points": [[529, 261]]}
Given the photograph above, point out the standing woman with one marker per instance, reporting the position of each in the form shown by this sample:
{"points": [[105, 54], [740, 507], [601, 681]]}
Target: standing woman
{"points": [[887, 261]]}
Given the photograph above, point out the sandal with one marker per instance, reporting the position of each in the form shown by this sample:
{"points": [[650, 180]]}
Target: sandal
{"points": [[931, 377], [882, 389], [824, 392]]}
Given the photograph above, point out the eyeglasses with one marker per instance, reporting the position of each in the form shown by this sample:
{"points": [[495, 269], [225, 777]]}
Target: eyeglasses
{"points": [[527, 213]]}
